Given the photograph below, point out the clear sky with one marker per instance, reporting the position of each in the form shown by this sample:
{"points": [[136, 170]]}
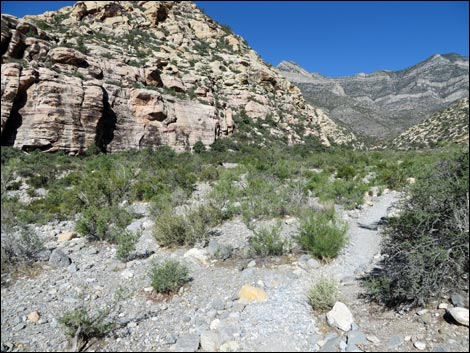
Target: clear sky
{"points": [[334, 38]]}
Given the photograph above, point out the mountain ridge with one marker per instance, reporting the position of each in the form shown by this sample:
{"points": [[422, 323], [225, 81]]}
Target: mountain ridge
{"points": [[385, 103]]}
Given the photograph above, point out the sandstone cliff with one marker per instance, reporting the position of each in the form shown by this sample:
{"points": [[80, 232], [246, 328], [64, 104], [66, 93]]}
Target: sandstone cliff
{"points": [[135, 74], [385, 103]]}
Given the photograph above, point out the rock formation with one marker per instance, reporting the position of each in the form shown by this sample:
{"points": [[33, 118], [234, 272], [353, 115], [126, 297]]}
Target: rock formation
{"points": [[385, 103], [134, 74]]}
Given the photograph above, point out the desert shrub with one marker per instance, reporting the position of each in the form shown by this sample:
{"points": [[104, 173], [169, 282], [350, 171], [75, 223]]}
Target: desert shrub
{"points": [[323, 294], [19, 249], [321, 234], [199, 147], [268, 242], [172, 229], [169, 276], [126, 241], [426, 247], [209, 173], [85, 322], [100, 223]]}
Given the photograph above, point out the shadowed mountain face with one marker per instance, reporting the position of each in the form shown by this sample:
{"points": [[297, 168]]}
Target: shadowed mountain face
{"points": [[139, 74], [385, 103]]}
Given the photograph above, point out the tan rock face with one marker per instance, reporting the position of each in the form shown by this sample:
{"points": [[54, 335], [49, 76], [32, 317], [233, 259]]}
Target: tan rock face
{"points": [[123, 75]]}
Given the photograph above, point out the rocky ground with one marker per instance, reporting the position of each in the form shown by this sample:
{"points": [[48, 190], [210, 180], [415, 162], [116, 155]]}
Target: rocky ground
{"points": [[208, 314]]}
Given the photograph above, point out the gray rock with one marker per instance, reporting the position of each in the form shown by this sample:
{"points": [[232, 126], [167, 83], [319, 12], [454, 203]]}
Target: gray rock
{"points": [[218, 251], [210, 340], [332, 345], [395, 341], [72, 268], [440, 349], [170, 339], [458, 300], [187, 343], [357, 337], [59, 259], [135, 226], [43, 255], [218, 304], [19, 326], [460, 315]]}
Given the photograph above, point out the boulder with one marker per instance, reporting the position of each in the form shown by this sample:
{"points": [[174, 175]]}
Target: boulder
{"points": [[340, 317]]}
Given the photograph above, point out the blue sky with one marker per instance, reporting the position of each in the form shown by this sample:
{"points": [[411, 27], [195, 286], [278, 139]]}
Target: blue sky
{"points": [[334, 38]]}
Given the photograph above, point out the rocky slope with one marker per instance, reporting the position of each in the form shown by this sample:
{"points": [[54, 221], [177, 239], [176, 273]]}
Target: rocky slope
{"points": [[134, 74], [449, 125], [385, 103]]}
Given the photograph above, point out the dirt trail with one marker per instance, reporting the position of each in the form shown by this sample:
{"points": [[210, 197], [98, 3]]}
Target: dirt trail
{"points": [[363, 243]]}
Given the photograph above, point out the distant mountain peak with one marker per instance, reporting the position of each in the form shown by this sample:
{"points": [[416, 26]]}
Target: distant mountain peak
{"points": [[293, 67], [385, 103]]}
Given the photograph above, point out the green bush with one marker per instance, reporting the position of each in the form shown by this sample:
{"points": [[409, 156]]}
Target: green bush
{"points": [[323, 294], [199, 147], [100, 223], [268, 242], [171, 229], [169, 276], [321, 234], [126, 241], [426, 247]]}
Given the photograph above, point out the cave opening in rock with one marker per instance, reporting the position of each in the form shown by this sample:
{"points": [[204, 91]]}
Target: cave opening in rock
{"points": [[106, 125], [14, 121]]}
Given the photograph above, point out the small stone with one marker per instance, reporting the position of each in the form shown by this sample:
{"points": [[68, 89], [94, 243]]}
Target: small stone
{"points": [[458, 300], [218, 304], [420, 345], [19, 327], [148, 289], [66, 236], [132, 324], [422, 312], [460, 315], [340, 317], [127, 274], [59, 259], [356, 337], [93, 251], [72, 268], [210, 341], [198, 254], [443, 306], [395, 341], [214, 324], [407, 338], [251, 264], [373, 339], [33, 316], [251, 293], [230, 346], [187, 343], [170, 339]]}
